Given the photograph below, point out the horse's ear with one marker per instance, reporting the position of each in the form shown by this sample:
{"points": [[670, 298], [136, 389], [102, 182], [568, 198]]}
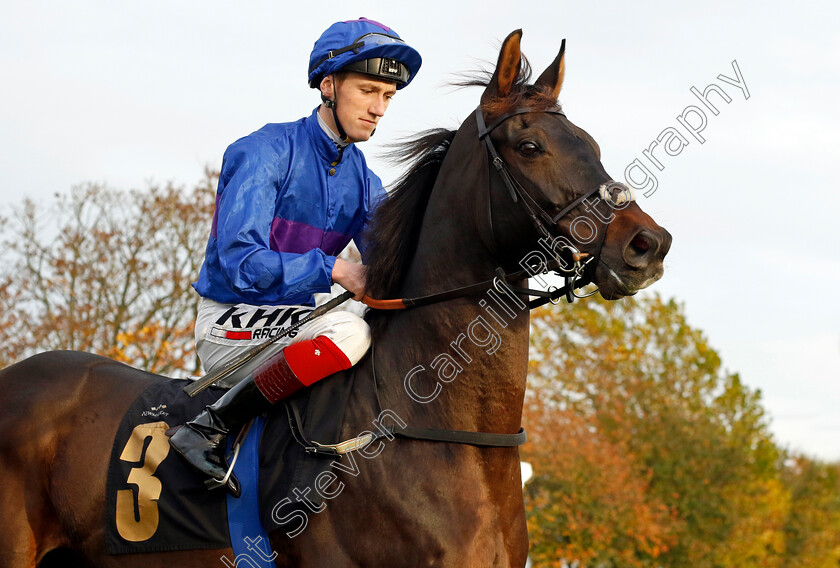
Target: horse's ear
{"points": [[507, 68], [552, 78]]}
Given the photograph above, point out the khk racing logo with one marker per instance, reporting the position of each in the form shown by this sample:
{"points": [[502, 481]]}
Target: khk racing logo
{"points": [[261, 323]]}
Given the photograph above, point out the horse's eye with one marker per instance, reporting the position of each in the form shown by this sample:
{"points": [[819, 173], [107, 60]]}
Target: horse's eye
{"points": [[528, 148]]}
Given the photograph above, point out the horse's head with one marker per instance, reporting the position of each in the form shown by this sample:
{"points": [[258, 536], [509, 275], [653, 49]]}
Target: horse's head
{"points": [[555, 173]]}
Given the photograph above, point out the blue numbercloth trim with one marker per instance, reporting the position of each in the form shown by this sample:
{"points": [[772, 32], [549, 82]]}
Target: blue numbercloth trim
{"points": [[247, 535]]}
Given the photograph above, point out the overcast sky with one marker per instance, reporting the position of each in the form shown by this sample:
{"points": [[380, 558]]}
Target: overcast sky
{"points": [[125, 92]]}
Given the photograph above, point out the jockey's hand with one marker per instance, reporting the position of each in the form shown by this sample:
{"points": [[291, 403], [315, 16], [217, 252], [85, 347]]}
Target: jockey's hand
{"points": [[351, 276]]}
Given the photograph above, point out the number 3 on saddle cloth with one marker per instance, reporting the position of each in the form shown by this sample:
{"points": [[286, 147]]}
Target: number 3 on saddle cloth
{"points": [[156, 502]]}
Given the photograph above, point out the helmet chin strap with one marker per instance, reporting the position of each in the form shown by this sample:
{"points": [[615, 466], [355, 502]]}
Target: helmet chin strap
{"points": [[333, 105]]}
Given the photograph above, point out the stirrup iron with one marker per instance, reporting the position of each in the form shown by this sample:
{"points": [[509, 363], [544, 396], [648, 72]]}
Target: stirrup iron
{"points": [[229, 480]]}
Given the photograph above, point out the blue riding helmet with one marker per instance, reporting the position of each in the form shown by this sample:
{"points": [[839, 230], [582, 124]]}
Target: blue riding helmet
{"points": [[363, 46]]}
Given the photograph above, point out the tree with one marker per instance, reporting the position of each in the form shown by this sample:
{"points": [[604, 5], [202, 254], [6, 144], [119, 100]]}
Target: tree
{"points": [[588, 501], [646, 452], [651, 388], [812, 528], [106, 271]]}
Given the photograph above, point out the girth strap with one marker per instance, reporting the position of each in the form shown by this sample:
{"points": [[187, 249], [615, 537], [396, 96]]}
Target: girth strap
{"points": [[481, 439]]}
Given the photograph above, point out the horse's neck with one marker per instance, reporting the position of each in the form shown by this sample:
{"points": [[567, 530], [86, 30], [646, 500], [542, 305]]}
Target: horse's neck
{"points": [[487, 344], [450, 250]]}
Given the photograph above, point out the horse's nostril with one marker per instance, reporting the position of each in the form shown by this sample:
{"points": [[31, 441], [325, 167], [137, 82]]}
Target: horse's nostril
{"points": [[640, 243], [641, 249]]}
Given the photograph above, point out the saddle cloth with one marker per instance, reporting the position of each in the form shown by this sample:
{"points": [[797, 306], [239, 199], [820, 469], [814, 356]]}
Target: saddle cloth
{"points": [[156, 502]]}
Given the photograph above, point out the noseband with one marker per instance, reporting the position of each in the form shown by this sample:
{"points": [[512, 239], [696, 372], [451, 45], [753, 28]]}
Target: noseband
{"points": [[611, 191]]}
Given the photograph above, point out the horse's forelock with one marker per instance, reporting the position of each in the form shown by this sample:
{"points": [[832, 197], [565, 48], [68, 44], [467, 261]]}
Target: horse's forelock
{"points": [[535, 98]]}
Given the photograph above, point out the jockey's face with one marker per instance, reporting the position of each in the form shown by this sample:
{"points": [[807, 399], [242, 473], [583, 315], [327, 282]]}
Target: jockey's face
{"points": [[362, 100]]}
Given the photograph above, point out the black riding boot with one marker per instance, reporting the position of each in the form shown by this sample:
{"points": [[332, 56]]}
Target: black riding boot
{"points": [[202, 440]]}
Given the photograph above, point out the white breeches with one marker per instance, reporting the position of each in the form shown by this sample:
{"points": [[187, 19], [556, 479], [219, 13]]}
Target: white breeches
{"points": [[223, 331]]}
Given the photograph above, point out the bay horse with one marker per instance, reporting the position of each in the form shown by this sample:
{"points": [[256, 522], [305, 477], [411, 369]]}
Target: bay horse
{"points": [[474, 201]]}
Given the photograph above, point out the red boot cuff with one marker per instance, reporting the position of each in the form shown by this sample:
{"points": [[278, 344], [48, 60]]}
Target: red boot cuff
{"points": [[314, 359], [298, 365]]}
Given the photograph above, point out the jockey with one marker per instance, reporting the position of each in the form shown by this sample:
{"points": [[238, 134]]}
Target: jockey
{"points": [[290, 197]]}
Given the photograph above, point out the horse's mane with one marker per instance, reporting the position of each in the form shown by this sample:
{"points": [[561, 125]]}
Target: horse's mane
{"points": [[395, 227]]}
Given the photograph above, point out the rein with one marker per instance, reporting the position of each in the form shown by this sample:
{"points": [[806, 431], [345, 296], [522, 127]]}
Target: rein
{"points": [[574, 279], [610, 191]]}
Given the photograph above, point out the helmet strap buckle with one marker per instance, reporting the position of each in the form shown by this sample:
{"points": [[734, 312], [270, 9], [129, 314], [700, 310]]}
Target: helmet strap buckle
{"points": [[329, 103]]}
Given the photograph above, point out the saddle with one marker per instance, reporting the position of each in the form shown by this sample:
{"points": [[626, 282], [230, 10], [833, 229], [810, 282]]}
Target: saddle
{"points": [[156, 502]]}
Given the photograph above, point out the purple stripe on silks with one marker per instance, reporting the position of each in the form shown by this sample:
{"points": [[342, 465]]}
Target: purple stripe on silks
{"points": [[334, 242], [215, 224], [383, 26], [291, 236]]}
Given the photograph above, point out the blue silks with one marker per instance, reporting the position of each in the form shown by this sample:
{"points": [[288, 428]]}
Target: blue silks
{"points": [[285, 206]]}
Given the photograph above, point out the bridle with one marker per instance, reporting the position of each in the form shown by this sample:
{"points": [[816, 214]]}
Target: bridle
{"points": [[539, 216], [571, 268], [543, 223]]}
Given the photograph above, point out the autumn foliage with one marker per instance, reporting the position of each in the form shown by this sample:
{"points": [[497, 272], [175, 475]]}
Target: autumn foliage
{"points": [[106, 271], [646, 452]]}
